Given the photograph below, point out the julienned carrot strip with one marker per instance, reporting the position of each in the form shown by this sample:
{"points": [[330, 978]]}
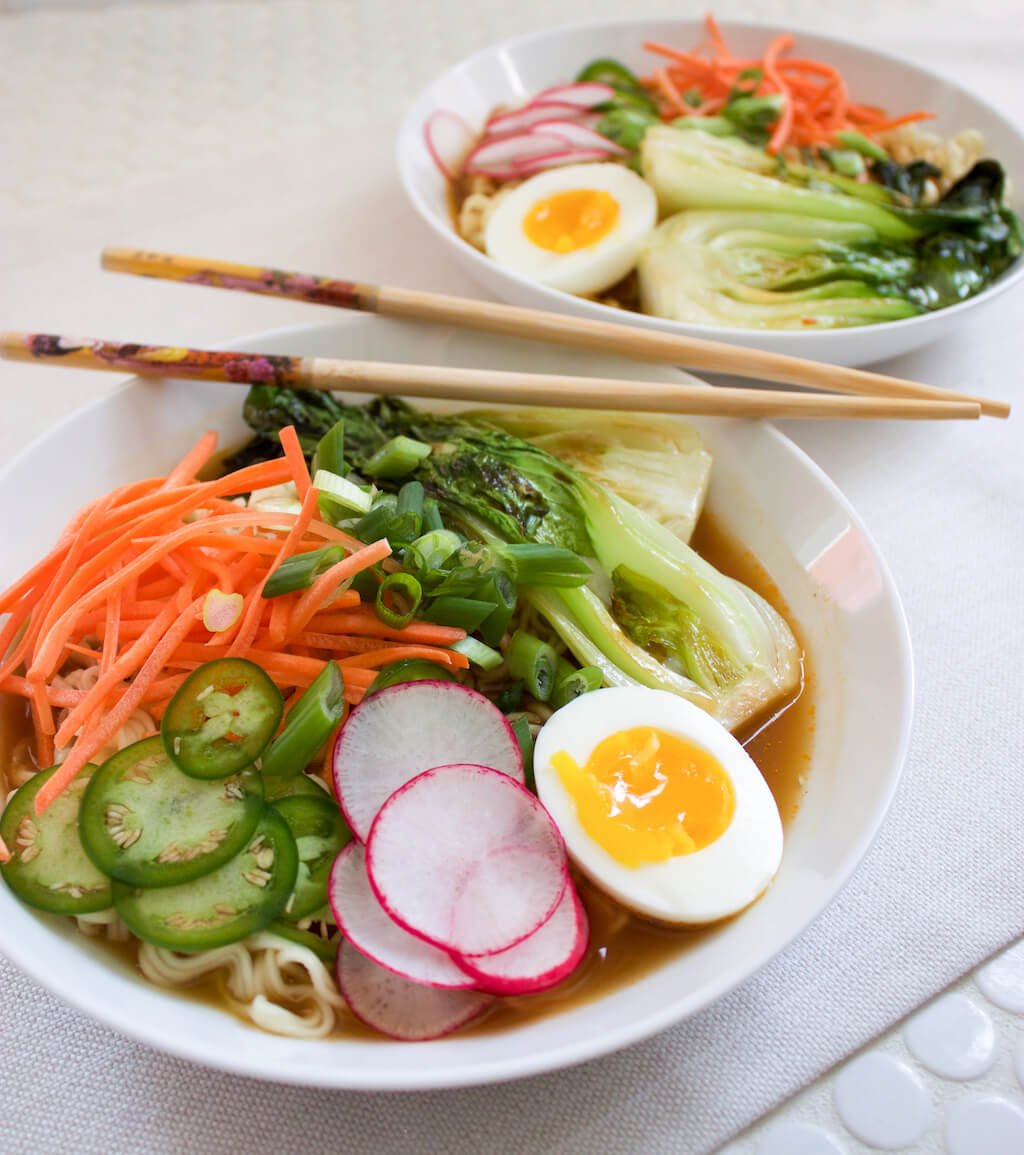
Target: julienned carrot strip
{"points": [[251, 616], [104, 731], [111, 630], [780, 134], [338, 643], [670, 92], [717, 39], [365, 623], [193, 461], [124, 667], [377, 658], [214, 565], [296, 459], [321, 590], [56, 695], [84, 651], [83, 598], [280, 611], [241, 543], [895, 122]]}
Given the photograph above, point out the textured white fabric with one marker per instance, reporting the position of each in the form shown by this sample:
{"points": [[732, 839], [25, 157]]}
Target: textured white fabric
{"points": [[263, 132]]}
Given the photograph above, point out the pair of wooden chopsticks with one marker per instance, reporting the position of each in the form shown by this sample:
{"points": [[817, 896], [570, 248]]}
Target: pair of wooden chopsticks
{"points": [[867, 395]]}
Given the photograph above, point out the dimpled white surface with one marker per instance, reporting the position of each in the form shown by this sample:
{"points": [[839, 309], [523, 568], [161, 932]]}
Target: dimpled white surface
{"points": [[263, 131]]}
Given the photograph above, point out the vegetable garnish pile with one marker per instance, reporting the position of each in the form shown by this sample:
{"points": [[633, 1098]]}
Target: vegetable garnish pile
{"points": [[723, 190], [155, 578]]}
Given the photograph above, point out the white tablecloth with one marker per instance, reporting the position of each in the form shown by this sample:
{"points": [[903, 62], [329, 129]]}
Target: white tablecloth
{"points": [[263, 131]]}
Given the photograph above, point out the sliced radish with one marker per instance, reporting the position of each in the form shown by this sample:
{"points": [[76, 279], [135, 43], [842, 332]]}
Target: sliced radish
{"points": [[583, 95], [536, 112], [511, 150], [399, 1008], [540, 961], [579, 136], [399, 732], [447, 136], [366, 924], [556, 159], [466, 858]]}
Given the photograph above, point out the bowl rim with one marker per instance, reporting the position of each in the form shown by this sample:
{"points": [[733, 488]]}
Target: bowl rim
{"points": [[414, 118], [474, 1073]]}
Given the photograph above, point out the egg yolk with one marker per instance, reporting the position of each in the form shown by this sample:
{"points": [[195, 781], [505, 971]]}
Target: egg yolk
{"points": [[569, 221], [645, 795]]}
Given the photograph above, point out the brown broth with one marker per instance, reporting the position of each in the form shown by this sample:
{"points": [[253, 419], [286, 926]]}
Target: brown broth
{"points": [[623, 948]]}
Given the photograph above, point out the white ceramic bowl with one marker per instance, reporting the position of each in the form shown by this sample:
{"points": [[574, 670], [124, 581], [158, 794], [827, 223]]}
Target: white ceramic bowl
{"points": [[764, 491], [511, 72]]}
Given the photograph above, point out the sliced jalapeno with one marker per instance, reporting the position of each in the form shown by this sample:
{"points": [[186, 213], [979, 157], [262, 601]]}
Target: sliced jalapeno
{"points": [[145, 823], [319, 832], [49, 868], [224, 906], [221, 718], [410, 670]]}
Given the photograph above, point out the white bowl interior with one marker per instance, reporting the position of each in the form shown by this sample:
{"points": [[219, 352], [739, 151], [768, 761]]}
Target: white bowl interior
{"points": [[510, 73], [765, 492]]}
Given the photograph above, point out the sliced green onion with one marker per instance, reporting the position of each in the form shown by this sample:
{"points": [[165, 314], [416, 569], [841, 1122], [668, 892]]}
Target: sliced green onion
{"points": [[301, 570], [330, 450], [563, 669], [845, 161], [577, 683], [410, 670], [308, 726], [524, 736], [498, 589], [534, 661], [396, 458], [368, 581], [375, 524], [407, 523], [410, 499], [405, 593], [465, 613], [479, 654], [546, 565], [432, 550], [351, 498], [862, 144], [431, 516]]}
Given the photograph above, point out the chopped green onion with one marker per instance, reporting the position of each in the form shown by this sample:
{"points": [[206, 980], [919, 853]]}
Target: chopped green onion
{"points": [[301, 570], [375, 524], [499, 590], [308, 726], [465, 613], [397, 458], [432, 550], [407, 522], [410, 499], [534, 661], [350, 497], [524, 736], [862, 144], [431, 516], [367, 582], [546, 565], [577, 683], [563, 669], [330, 450], [405, 593], [845, 161], [479, 654]]}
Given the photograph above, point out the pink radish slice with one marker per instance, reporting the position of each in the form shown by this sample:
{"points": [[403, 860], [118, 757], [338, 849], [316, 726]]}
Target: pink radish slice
{"points": [[399, 732], [584, 95], [540, 961], [466, 858], [367, 925], [556, 160], [523, 118], [578, 136], [509, 150], [399, 1008], [447, 136]]}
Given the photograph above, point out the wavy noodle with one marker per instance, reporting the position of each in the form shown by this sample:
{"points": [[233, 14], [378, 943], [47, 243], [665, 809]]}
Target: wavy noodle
{"points": [[103, 924], [139, 724], [259, 977]]}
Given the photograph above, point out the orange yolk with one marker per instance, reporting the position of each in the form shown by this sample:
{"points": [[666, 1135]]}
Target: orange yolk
{"points": [[645, 795], [569, 221]]}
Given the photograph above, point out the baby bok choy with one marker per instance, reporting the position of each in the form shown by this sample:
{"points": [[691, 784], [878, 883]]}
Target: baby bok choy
{"points": [[654, 612], [753, 241]]}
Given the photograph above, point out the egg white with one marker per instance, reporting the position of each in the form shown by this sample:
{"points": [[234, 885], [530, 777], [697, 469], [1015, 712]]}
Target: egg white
{"points": [[587, 270], [709, 884]]}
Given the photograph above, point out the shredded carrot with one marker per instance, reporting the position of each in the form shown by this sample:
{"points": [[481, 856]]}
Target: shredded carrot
{"points": [[296, 459], [377, 658], [365, 623], [320, 592], [815, 100], [193, 461]]}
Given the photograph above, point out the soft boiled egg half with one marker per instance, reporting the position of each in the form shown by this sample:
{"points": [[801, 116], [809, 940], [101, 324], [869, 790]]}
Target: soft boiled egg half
{"points": [[579, 228], [658, 804]]}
